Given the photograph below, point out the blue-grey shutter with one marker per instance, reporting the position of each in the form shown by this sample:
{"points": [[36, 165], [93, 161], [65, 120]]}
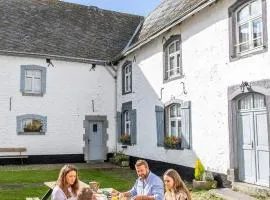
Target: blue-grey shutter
{"points": [[22, 81], [186, 125], [43, 80], [133, 127], [160, 125], [118, 125]]}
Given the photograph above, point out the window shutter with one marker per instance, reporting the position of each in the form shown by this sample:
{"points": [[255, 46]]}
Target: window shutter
{"points": [[22, 78], [165, 64], [118, 125], [186, 128], [160, 125], [43, 80], [167, 121], [133, 128]]}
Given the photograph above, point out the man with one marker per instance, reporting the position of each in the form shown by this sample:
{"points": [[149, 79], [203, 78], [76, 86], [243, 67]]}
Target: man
{"points": [[148, 186]]}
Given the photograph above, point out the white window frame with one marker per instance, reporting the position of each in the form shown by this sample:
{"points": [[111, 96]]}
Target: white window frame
{"points": [[127, 122], [177, 119], [176, 69], [36, 76], [127, 78], [249, 20]]}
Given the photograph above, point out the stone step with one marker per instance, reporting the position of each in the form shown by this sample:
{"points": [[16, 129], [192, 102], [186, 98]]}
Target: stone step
{"points": [[229, 194], [250, 189]]}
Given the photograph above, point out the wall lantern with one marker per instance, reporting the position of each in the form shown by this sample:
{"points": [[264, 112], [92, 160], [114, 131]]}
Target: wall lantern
{"points": [[49, 62], [244, 85]]}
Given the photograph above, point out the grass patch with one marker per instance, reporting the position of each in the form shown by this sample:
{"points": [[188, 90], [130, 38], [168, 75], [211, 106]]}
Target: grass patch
{"points": [[17, 183]]}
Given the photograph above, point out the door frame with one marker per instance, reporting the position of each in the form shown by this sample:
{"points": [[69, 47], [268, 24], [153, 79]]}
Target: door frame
{"points": [[86, 125], [234, 94]]}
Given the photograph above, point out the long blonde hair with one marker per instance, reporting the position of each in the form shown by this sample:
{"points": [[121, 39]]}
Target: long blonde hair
{"points": [[178, 182], [62, 183]]}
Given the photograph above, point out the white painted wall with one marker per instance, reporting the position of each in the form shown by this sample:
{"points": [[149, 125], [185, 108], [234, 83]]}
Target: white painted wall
{"points": [[208, 73], [70, 89]]}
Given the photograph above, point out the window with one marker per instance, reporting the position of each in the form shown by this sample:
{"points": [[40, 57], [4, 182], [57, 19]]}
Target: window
{"points": [[31, 124], [127, 122], [248, 27], [127, 78], [174, 120], [172, 55], [173, 124], [33, 80]]}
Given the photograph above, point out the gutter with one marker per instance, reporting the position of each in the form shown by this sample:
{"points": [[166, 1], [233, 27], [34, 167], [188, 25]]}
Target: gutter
{"points": [[57, 57], [198, 7]]}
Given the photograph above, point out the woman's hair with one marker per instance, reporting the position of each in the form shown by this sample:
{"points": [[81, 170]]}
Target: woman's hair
{"points": [[62, 182], [85, 194], [178, 182]]}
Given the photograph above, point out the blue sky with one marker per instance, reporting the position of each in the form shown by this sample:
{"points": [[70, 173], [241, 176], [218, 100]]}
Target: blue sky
{"points": [[139, 7]]}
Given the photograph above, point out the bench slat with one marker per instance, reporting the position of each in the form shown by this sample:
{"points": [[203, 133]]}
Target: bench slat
{"points": [[14, 156], [19, 149], [32, 198]]}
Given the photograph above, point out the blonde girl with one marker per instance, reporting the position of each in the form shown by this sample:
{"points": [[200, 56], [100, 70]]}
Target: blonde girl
{"points": [[175, 187], [67, 184]]}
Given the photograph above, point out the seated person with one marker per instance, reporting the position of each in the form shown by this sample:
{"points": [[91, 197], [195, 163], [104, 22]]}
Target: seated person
{"points": [[148, 186], [67, 185]]}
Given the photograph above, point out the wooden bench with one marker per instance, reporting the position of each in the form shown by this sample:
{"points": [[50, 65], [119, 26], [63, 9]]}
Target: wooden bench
{"points": [[14, 150]]}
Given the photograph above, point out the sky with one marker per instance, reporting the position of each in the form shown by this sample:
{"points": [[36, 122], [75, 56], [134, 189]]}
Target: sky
{"points": [[138, 7]]}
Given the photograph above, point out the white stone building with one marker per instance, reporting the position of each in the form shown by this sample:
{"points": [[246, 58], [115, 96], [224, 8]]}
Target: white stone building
{"points": [[196, 70]]}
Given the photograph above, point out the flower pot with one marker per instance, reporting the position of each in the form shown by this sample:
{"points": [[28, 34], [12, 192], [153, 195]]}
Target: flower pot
{"points": [[125, 163], [206, 185]]}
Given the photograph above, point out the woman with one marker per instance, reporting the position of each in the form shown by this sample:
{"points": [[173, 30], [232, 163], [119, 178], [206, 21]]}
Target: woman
{"points": [[175, 187], [67, 184]]}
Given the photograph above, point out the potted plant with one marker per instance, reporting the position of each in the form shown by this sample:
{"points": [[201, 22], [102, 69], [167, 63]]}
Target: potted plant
{"points": [[121, 159], [172, 142], [203, 179], [125, 139]]}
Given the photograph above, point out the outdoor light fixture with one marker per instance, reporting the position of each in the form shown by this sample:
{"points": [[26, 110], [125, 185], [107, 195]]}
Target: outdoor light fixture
{"points": [[244, 85], [48, 60], [93, 67]]}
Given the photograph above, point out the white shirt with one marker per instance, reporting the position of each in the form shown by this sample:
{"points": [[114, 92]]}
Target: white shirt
{"points": [[58, 194]]}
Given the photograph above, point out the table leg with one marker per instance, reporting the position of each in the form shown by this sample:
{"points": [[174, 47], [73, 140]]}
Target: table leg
{"points": [[47, 195]]}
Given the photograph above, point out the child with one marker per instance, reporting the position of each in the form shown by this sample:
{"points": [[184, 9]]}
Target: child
{"points": [[175, 187], [86, 194], [67, 184]]}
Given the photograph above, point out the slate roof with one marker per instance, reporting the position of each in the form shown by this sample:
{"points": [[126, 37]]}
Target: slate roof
{"points": [[64, 29], [166, 13]]}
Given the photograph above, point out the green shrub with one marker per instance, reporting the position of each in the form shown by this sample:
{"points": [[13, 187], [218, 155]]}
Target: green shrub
{"points": [[119, 157]]}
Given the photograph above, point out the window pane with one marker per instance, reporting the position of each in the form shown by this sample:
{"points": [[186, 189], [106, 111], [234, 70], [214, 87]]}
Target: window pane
{"points": [[29, 73], [171, 48], [256, 8], [173, 111], [259, 101], [179, 128], [37, 73], [173, 128], [243, 14], [177, 45], [257, 33], [32, 125], [127, 83], [171, 62], [246, 102], [244, 37], [37, 85], [178, 64], [28, 84], [178, 110]]}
